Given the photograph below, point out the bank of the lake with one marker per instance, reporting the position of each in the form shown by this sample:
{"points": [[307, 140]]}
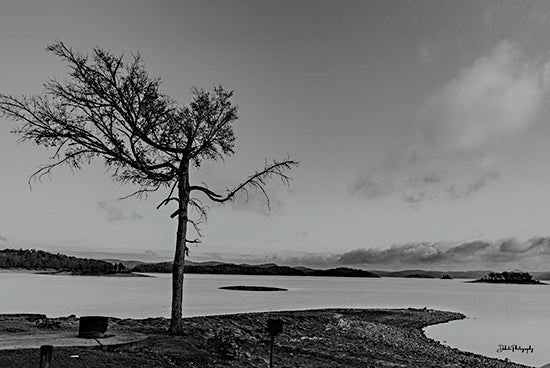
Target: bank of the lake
{"points": [[314, 338], [496, 313]]}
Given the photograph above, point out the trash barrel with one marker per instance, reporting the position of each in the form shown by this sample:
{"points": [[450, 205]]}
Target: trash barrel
{"points": [[91, 327]]}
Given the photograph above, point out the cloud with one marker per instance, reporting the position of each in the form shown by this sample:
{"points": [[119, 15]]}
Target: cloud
{"points": [[320, 260], [532, 253], [116, 212], [540, 245], [460, 134], [385, 177], [421, 187], [456, 192], [467, 249], [505, 254], [403, 254], [417, 178], [287, 258], [3, 238], [497, 97], [368, 186]]}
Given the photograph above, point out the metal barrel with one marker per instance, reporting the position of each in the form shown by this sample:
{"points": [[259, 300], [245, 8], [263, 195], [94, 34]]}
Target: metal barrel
{"points": [[92, 326]]}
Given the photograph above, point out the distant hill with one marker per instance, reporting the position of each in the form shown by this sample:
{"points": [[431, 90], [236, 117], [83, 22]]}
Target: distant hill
{"points": [[129, 264], [341, 272], [432, 274], [421, 276], [245, 269], [38, 260], [31, 259], [219, 268], [161, 267]]}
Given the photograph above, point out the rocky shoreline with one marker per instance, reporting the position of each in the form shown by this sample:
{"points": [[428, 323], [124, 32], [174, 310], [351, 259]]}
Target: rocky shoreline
{"points": [[380, 338]]}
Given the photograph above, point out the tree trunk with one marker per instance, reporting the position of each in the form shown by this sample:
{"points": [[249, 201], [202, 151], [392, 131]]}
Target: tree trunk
{"points": [[176, 323]]}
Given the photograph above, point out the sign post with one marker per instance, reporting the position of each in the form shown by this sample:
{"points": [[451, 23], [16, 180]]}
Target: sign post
{"points": [[274, 327]]}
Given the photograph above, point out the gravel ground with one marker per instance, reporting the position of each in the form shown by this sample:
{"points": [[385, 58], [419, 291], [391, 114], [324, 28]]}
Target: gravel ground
{"points": [[315, 338]]}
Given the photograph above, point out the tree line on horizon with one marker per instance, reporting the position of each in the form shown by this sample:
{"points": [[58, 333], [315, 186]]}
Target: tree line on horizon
{"points": [[32, 259], [245, 269]]}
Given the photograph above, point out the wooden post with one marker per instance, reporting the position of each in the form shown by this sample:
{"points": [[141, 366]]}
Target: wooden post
{"points": [[271, 352], [46, 353]]}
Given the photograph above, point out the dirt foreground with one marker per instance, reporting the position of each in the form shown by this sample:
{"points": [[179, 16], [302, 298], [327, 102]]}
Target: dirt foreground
{"points": [[314, 338]]}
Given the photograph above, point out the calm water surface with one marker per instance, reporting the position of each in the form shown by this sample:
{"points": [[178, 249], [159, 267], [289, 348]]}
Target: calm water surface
{"points": [[497, 314]]}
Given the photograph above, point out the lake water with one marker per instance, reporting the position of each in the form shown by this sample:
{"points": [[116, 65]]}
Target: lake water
{"points": [[498, 314]]}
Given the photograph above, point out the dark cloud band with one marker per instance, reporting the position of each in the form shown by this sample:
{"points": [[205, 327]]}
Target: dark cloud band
{"points": [[474, 253]]}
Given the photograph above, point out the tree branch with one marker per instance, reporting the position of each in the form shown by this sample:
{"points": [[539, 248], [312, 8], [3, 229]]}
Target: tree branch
{"points": [[258, 180], [169, 197], [141, 192], [46, 169]]}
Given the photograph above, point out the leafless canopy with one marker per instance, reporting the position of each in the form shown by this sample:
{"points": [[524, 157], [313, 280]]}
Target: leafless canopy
{"points": [[111, 109]]}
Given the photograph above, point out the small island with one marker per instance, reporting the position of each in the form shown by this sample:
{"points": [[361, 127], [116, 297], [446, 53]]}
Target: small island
{"points": [[509, 278], [252, 288]]}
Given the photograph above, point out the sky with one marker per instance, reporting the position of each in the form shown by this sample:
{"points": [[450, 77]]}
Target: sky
{"points": [[421, 128]]}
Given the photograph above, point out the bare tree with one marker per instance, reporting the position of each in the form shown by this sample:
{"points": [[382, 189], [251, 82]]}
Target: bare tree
{"points": [[110, 108]]}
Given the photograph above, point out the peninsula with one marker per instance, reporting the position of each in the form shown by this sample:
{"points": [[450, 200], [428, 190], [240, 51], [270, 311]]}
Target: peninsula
{"points": [[335, 338]]}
